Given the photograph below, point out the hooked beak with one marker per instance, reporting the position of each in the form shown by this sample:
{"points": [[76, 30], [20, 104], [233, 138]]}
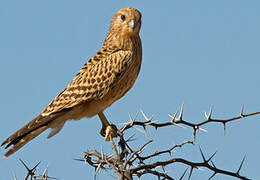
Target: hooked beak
{"points": [[131, 24]]}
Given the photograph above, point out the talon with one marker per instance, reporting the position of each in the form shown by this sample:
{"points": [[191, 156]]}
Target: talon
{"points": [[111, 132], [103, 132], [108, 130]]}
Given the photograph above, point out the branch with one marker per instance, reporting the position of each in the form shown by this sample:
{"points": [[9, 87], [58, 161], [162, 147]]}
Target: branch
{"points": [[141, 169], [165, 151], [128, 162], [32, 175], [179, 121]]}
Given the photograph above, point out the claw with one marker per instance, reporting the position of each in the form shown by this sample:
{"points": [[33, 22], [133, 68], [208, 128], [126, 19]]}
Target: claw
{"points": [[111, 132], [103, 132]]}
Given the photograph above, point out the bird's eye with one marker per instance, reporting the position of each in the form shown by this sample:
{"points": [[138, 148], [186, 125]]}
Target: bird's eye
{"points": [[123, 17]]}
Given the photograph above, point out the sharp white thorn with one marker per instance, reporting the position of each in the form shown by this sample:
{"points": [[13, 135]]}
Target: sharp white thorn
{"points": [[203, 130], [151, 122], [205, 113], [175, 124], [145, 117], [46, 170], [210, 111], [200, 169], [139, 129], [102, 153], [242, 110], [14, 174], [136, 115], [172, 116], [181, 111], [124, 123], [130, 117]]}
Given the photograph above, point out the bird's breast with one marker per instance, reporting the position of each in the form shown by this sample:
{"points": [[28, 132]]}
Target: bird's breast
{"points": [[124, 84]]}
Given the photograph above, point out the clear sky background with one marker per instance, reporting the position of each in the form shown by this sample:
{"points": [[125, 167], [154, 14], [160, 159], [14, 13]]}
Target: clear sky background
{"points": [[199, 52]]}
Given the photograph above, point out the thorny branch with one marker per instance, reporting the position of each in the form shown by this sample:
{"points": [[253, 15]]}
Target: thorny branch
{"points": [[135, 165], [193, 165], [179, 121], [132, 162], [31, 173]]}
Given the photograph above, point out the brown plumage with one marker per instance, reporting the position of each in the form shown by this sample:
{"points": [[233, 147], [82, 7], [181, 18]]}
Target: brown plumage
{"points": [[105, 78]]}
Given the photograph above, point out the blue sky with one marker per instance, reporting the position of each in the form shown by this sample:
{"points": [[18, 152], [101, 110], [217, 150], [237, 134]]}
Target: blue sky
{"points": [[200, 52]]}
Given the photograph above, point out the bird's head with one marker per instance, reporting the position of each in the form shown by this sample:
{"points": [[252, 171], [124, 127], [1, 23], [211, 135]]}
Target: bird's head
{"points": [[126, 21]]}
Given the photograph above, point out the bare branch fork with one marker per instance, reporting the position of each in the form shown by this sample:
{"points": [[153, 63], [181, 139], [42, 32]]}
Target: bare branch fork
{"points": [[205, 163], [134, 163], [122, 164], [31, 173], [128, 162]]}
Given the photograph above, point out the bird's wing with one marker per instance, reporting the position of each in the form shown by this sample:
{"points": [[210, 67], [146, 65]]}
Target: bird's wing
{"points": [[93, 81]]}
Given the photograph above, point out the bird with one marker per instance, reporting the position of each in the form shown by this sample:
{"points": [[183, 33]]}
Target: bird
{"points": [[102, 80]]}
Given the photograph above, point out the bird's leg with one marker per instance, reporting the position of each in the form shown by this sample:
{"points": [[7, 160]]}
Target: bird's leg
{"points": [[108, 130]]}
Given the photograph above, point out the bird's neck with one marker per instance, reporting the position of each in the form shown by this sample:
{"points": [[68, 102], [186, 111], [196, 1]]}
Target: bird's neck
{"points": [[122, 42]]}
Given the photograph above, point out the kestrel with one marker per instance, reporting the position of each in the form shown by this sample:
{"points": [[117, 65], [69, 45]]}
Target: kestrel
{"points": [[102, 80]]}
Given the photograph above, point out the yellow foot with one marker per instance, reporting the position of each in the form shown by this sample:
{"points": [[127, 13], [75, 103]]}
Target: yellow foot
{"points": [[108, 130], [111, 132]]}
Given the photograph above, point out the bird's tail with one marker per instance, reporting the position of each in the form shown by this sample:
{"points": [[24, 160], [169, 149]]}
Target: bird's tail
{"points": [[27, 133]]}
